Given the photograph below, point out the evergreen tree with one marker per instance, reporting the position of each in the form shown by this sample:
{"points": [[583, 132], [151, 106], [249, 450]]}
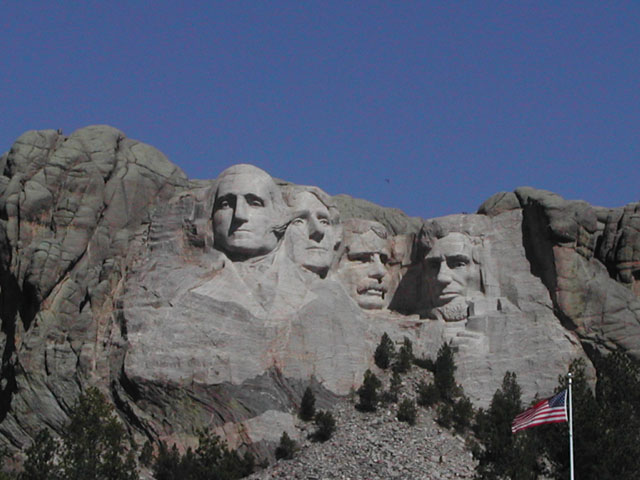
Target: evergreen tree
{"points": [[325, 424], [385, 352], [405, 357], [462, 414], [445, 368], [394, 386], [505, 455], [146, 454], [428, 394], [368, 392], [212, 460], [407, 411], [606, 426], [40, 459], [93, 442], [287, 447], [307, 405]]}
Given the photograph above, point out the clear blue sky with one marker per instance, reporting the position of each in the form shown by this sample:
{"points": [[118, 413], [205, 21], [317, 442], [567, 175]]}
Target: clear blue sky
{"points": [[430, 107]]}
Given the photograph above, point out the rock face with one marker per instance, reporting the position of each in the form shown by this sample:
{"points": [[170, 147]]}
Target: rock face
{"points": [[215, 303]]}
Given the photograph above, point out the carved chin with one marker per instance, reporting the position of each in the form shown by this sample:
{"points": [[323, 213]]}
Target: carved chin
{"points": [[453, 311], [371, 299]]}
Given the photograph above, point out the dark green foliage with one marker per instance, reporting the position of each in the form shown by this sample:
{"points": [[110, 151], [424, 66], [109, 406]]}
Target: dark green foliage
{"points": [[428, 394], [168, 463], [287, 447], [93, 446], [425, 363], [307, 405], [445, 368], [395, 385], [385, 352], [445, 415], [505, 455], [462, 414], [146, 454], [606, 426], [40, 464], [325, 424], [212, 460], [407, 411], [368, 392], [93, 442], [405, 357]]}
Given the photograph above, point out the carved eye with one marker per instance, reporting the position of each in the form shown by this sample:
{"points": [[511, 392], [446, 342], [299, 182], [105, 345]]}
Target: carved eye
{"points": [[457, 263], [298, 221], [254, 200], [384, 258], [360, 257], [324, 221], [224, 203]]}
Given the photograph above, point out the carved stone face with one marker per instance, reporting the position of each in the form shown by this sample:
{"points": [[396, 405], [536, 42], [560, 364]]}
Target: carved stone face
{"points": [[451, 275], [363, 269], [310, 235], [244, 214]]}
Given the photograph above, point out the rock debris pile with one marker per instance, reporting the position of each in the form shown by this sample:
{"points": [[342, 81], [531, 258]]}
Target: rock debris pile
{"points": [[376, 446]]}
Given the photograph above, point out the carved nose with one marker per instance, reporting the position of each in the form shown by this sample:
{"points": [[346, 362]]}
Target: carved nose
{"points": [[444, 274], [241, 211], [316, 230], [377, 269]]}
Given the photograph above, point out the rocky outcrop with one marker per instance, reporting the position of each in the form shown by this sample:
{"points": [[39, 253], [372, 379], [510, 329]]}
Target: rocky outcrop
{"points": [[189, 303], [72, 209]]}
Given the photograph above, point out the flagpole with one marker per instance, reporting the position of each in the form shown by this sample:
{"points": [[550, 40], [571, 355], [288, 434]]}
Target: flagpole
{"points": [[570, 375]]}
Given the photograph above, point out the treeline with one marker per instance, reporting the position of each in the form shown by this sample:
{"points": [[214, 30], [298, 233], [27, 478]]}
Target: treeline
{"points": [[606, 419], [94, 445], [606, 428], [606, 425]]}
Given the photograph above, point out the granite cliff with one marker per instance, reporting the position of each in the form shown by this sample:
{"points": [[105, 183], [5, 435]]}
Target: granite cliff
{"points": [[215, 303]]}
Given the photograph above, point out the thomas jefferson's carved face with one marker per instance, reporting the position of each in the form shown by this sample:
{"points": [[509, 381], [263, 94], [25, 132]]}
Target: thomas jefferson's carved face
{"points": [[450, 272], [363, 269], [310, 235], [244, 215]]}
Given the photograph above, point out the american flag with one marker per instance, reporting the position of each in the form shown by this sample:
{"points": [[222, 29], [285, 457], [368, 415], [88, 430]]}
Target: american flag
{"points": [[551, 410]]}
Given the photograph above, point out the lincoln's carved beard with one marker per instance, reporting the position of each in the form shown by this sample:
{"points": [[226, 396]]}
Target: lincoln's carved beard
{"points": [[453, 311]]}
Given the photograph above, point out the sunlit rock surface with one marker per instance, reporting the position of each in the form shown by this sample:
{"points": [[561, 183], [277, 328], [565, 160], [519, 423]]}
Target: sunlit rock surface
{"points": [[111, 275]]}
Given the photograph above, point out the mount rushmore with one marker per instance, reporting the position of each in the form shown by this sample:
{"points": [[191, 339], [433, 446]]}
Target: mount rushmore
{"points": [[215, 303]]}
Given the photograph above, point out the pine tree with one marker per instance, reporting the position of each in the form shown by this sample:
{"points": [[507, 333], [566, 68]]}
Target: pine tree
{"points": [[385, 352], [407, 411], [405, 357], [428, 394], [307, 405], [505, 455], [325, 424], [287, 447], [40, 458], [93, 442], [445, 368], [368, 392]]}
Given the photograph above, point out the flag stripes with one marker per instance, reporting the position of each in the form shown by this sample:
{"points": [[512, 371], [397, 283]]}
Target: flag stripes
{"points": [[550, 410]]}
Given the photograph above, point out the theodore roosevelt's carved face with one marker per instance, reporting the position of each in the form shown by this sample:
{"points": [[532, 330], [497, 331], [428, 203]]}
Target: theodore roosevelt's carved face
{"points": [[310, 235], [246, 212], [363, 265], [451, 275]]}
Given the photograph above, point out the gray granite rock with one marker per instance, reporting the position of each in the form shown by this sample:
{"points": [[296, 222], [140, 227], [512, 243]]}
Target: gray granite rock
{"points": [[111, 275]]}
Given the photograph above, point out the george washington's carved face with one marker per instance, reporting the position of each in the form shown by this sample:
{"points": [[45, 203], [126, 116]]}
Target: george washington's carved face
{"points": [[245, 214]]}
